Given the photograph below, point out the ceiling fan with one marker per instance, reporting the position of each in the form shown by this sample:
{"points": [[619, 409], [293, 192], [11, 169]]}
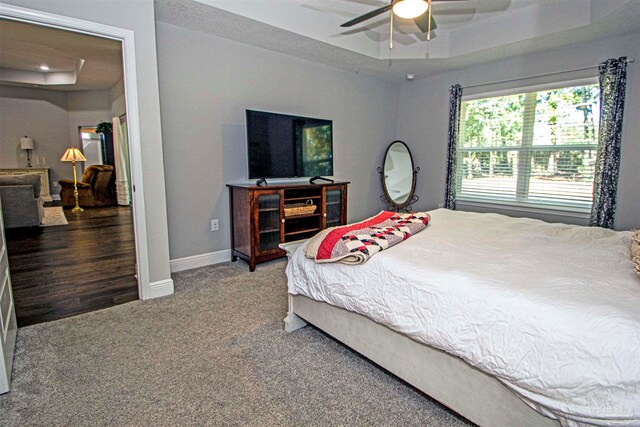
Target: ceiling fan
{"points": [[408, 9]]}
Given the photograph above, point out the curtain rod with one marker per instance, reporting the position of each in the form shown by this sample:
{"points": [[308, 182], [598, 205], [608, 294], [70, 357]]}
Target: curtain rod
{"points": [[630, 60]]}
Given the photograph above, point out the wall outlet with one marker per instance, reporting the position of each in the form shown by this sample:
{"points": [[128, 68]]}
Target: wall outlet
{"points": [[55, 184], [214, 225]]}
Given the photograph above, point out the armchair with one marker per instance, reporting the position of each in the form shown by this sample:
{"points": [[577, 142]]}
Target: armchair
{"points": [[97, 188], [22, 204]]}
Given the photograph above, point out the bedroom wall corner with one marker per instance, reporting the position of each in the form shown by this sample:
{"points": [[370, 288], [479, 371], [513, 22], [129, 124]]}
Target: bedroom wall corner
{"points": [[423, 115], [207, 82]]}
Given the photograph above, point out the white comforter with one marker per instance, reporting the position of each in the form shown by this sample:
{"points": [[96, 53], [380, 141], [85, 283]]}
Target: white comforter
{"points": [[551, 310]]}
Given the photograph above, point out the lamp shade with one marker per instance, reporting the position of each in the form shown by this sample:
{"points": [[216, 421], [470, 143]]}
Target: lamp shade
{"points": [[26, 143], [73, 155]]}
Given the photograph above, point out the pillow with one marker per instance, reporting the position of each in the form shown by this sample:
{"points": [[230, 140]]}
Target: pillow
{"points": [[635, 250], [25, 179], [311, 250]]}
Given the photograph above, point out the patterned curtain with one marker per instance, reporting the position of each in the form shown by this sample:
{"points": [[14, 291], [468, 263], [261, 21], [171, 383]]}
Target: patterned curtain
{"points": [[613, 79], [454, 126]]}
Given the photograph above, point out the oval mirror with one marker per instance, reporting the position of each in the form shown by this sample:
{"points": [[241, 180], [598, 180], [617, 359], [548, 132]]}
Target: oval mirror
{"points": [[398, 177]]}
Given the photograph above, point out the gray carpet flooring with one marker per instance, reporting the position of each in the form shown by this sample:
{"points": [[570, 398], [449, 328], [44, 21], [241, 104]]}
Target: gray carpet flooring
{"points": [[214, 353]]}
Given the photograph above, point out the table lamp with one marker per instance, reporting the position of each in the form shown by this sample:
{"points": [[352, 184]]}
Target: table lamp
{"points": [[74, 155], [27, 144]]}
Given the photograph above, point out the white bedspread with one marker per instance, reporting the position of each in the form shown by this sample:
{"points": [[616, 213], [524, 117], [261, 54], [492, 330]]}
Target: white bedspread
{"points": [[551, 310]]}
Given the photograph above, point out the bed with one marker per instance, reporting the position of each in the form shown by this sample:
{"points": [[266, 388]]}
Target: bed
{"points": [[508, 321]]}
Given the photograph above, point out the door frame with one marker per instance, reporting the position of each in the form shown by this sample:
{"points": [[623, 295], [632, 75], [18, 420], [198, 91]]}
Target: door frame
{"points": [[126, 38]]}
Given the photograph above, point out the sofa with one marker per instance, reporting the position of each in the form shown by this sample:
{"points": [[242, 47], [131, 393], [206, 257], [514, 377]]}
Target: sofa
{"points": [[22, 205], [97, 188]]}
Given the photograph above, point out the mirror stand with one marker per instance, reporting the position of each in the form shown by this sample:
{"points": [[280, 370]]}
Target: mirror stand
{"points": [[391, 205]]}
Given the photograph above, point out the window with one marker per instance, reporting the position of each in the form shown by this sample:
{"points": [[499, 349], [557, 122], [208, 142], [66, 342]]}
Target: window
{"points": [[92, 147], [532, 149]]}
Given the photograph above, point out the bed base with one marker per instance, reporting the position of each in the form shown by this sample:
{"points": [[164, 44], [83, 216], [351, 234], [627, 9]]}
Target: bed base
{"points": [[468, 391]]}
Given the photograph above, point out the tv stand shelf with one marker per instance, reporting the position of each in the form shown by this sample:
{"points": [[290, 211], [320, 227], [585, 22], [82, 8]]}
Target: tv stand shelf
{"points": [[259, 225], [300, 199]]}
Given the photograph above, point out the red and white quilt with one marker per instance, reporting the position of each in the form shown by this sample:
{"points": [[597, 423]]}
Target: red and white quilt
{"points": [[356, 243]]}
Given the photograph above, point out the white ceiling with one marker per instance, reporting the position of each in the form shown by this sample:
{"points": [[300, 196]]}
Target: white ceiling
{"points": [[469, 32], [76, 61]]}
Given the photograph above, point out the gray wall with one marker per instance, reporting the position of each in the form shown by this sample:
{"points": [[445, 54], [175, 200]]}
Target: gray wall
{"points": [[45, 119], [423, 114], [51, 118], [118, 104], [139, 17], [206, 83]]}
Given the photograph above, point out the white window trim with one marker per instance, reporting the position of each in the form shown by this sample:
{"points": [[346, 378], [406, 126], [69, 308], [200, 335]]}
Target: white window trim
{"points": [[531, 88]]}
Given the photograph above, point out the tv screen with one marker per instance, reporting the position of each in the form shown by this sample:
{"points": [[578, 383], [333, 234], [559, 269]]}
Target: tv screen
{"points": [[283, 146]]}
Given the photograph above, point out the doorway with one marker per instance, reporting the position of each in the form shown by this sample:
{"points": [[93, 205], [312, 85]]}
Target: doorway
{"points": [[96, 251]]}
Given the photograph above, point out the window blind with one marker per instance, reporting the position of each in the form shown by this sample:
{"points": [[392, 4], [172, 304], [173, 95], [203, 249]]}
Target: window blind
{"points": [[533, 149]]}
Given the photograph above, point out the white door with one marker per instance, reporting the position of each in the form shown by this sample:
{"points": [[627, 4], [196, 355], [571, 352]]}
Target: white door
{"points": [[8, 325]]}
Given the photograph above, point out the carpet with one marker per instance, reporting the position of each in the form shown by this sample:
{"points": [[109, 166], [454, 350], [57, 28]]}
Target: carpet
{"points": [[214, 353], [53, 215]]}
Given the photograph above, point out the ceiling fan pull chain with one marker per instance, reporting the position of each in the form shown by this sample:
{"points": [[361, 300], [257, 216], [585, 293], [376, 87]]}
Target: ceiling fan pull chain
{"points": [[391, 33]]}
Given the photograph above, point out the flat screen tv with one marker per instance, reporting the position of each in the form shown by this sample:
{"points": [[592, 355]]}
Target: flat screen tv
{"points": [[283, 146]]}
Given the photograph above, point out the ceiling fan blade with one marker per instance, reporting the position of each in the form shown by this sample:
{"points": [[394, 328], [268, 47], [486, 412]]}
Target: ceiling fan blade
{"points": [[366, 16], [422, 22]]}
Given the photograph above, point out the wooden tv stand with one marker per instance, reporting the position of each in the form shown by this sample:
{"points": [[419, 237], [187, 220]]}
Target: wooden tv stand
{"points": [[259, 224]]}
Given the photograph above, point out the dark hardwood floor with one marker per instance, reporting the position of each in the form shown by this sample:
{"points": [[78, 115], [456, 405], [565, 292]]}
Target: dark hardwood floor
{"points": [[67, 270]]}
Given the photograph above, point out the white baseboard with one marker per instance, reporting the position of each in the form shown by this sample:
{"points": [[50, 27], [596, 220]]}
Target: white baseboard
{"points": [[158, 289], [195, 261]]}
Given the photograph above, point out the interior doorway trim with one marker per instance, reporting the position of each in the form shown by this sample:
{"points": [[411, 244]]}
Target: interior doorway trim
{"points": [[126, 37]]}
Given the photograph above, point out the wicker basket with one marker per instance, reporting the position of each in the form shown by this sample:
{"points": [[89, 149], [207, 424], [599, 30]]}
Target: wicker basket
{"points": [[299, 209]]}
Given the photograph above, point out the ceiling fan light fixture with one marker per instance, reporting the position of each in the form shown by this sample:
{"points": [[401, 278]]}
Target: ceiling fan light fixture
{"points": [[410, 9]]}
